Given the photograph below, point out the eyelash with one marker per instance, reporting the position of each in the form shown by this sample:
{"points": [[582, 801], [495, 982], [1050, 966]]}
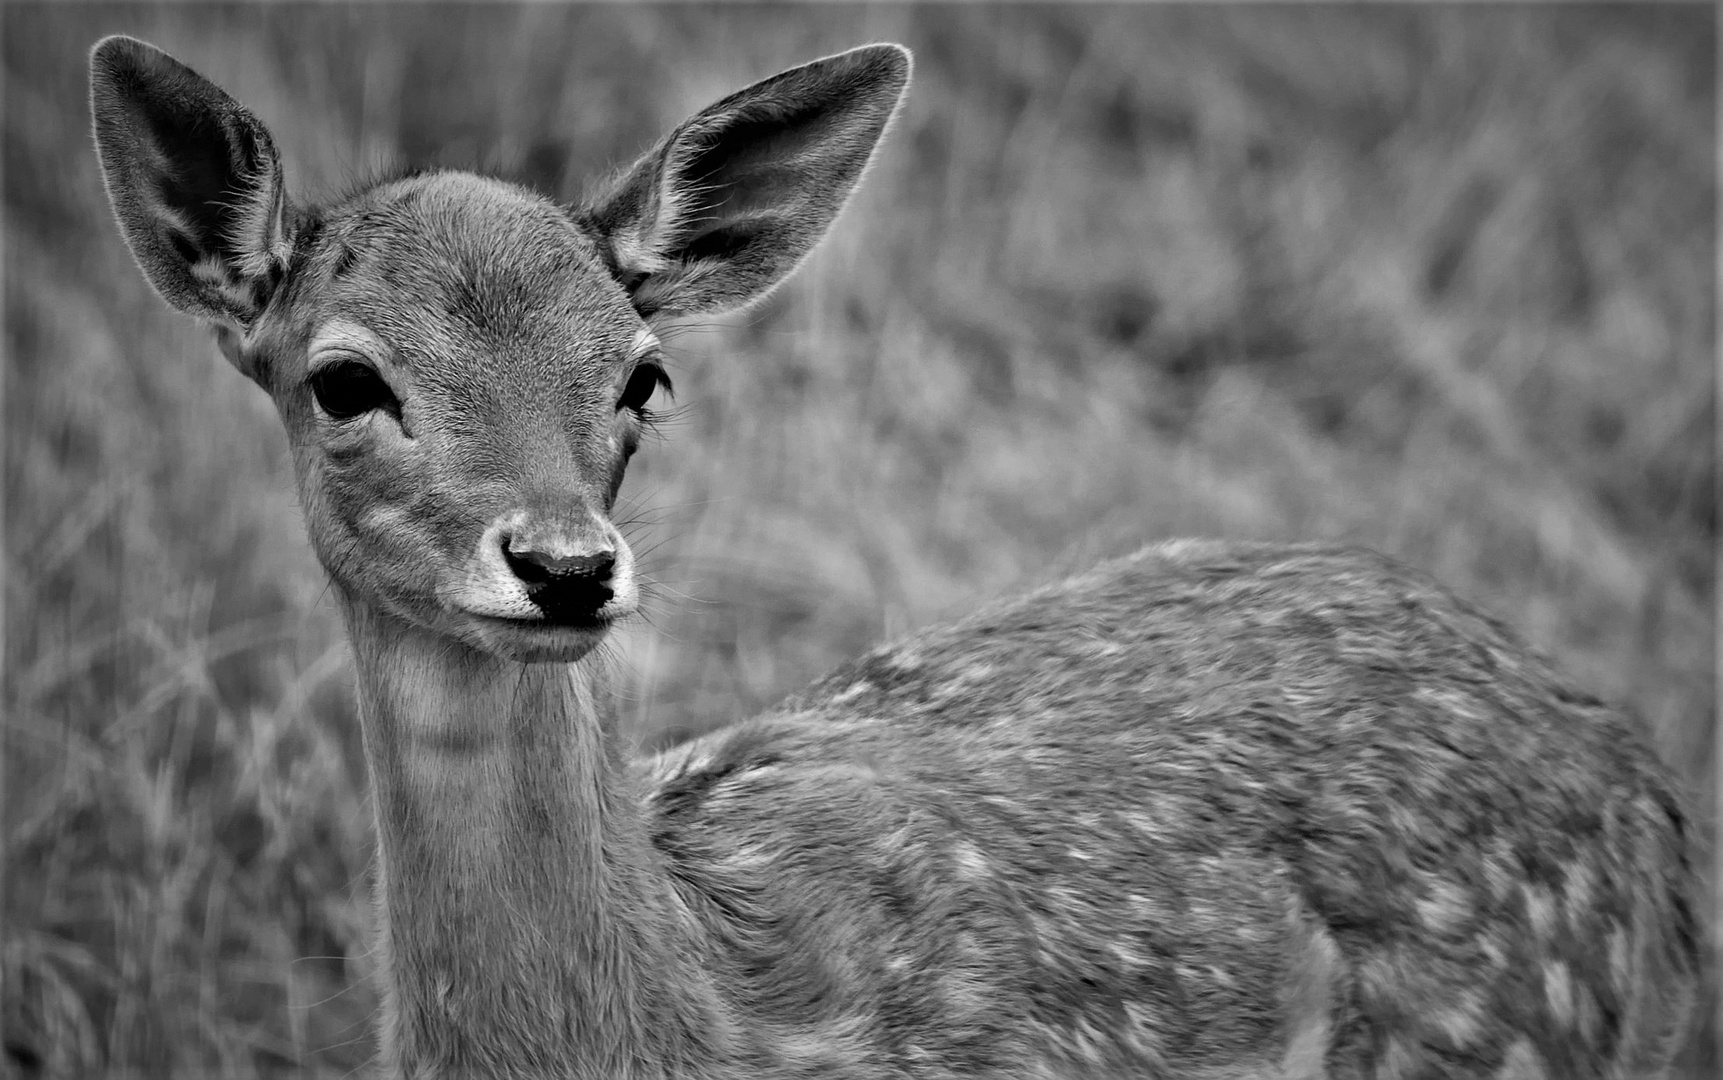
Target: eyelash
{"points": [[647, 378]]}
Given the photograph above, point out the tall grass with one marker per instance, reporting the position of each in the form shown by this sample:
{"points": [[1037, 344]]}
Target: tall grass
{"points": [[1439, 280]]}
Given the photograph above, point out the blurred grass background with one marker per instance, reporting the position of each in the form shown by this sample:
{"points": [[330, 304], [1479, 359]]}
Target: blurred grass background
{"points": [[1440, 280]]}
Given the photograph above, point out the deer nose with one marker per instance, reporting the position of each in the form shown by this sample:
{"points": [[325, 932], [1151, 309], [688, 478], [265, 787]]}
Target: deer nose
{"points": [[566, 587], [540, 567]]}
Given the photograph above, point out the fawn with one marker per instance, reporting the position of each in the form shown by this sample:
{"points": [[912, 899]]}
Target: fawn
{"points": [[1210, 811]]}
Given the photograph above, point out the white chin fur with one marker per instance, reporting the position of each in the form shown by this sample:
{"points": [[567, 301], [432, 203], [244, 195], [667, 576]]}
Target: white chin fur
{"points": [[528, 644]]}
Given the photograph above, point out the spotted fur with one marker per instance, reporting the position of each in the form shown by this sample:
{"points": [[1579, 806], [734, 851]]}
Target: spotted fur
{"points": [[1295, 808]]}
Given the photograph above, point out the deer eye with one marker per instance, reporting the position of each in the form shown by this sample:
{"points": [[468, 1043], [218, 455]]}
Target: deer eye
{"points": [[646, 378], [348, 388]]}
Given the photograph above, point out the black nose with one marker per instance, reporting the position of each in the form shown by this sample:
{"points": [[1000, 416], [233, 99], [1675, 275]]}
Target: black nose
{"points": [[539, 568], [567, 588]]}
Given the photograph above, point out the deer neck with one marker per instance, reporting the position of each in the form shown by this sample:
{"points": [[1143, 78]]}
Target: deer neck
{"points": [[524, 917]]}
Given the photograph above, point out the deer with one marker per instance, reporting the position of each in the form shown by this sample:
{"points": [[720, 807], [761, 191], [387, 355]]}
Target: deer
{"points": [[1210, 810]]}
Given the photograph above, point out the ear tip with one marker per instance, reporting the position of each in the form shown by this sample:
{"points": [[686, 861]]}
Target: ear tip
{"points": [[891, 60], [896, 51], [118, 58], [117, 51], [113, 60]]}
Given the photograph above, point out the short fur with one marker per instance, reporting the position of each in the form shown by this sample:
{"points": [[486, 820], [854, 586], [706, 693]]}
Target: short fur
{"points": [[1216, 811]]}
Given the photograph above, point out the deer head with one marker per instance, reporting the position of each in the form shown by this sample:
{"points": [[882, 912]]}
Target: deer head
{"points": [[463, 366]]}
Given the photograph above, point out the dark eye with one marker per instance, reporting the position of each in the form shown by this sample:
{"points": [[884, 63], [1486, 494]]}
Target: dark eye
{"points": [[347, 388], [646, 378]]}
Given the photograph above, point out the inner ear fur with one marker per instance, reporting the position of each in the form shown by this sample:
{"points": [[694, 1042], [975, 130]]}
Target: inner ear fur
{"points": [[725, 206], [194, 180]]}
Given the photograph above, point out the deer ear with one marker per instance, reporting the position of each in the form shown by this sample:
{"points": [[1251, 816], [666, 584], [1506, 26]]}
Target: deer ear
{"points": [[726, 206], [194, 181]]}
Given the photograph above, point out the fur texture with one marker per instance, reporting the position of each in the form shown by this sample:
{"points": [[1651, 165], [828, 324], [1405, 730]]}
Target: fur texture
{"points": [[1209, 811]]}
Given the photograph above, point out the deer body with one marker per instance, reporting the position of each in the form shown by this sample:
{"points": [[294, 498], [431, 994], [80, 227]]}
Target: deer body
{"points": [[1209, 811]]}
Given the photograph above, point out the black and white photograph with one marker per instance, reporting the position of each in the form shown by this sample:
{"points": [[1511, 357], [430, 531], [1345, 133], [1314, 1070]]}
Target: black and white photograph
{"points": [[889, 541]]}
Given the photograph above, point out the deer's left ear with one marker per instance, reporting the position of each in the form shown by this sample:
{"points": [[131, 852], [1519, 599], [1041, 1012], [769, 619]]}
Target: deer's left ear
{"points": [[194, 181], [729, 203]]}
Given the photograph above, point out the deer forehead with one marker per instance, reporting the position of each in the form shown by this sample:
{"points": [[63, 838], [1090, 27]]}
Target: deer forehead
{"points": [[450, 270]]}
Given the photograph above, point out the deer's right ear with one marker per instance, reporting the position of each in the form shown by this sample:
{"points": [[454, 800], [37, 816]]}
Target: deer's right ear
{"points": [[194, 181]]}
